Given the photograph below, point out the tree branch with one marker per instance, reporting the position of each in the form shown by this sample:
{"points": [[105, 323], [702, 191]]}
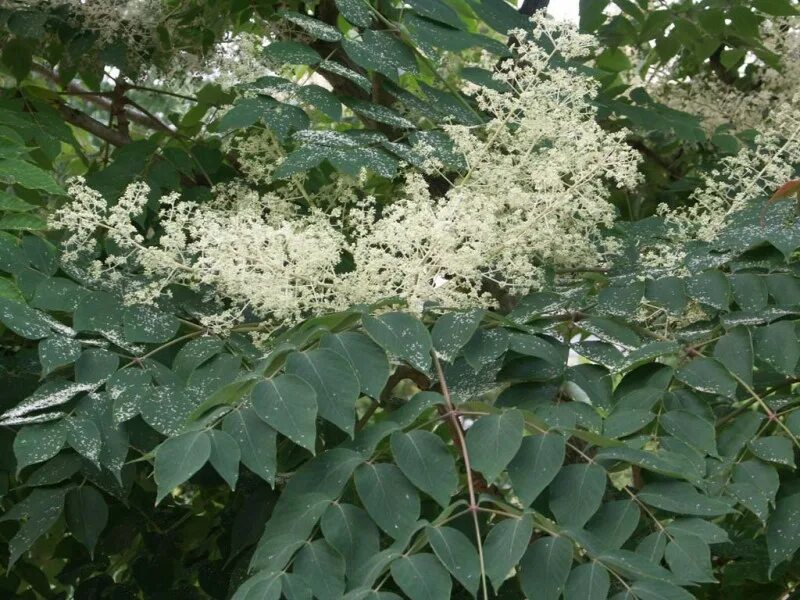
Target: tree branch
{"points": [[92, 125]]}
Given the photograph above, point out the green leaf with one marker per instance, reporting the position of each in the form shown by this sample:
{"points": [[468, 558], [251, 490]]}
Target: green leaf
{"points": [[457, 554], [536, 464], [485, 346], [749, 291], [589, 581], [261, 586], [545, 567], [365, 356], [669, 292], [689, 557], [334, 382], [635, 565], [225, 456], [23, 320], [288, 404], [388, 497], [27, 175], [355, 11], [691, 429], [707, 375], [257, 442], [621, 301], [493, 440], [178, 458], [424, 458], [87, 515], [778, 346], [313, 27], [56, 293], [659, 590], [22, 222], [735, 351], [382, 52], [504, 546], [84, 436], [778, 8], [705, 530], [350, 531], [403, 336], [783, 530], [95, 366], [322, 568], [775, 449], [615, 522], [683, 499], [284, 52], [626, 421], [452, 330], [38, 512], [421, 577], [38, 443], [576, 493], [148, 325], [710, 288], [55, 352]]}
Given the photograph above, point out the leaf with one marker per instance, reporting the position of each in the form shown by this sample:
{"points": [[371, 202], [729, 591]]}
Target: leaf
{"points": [[352, 533], [689, 557], [355, 11], [84, 436], [735, 351], [38, 443], [388, 497], [457, 554], [589, 581], [256, 441], [293, 53], [775, 449], [659, 590], [545, 567], [40, 510], [23, 320], [783, 531], [421, 577], [365, 356], [87, 515], [626, 421], [705, 530], [424, 458], [536, 464], [55, 352], [452, 330], [635, 565], [615, 522], [27, 175], [145, 324], [403, 336], [178, 458], [504, 546], [95, 366], [707, 375], [382, 52], [711, 288], [493, 440], [322, 568], [225, 456], [691, 429], [576, 493], [288, 404], [778, 346], [485, 346], [261, 586], [22, 222], [683, 499], [334, 382]]}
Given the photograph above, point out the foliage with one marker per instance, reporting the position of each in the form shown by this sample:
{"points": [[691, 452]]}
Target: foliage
{"points": [[627, 430]]}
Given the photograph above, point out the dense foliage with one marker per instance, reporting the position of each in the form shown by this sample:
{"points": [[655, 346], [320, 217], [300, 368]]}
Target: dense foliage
{"points": [[368, 299]]}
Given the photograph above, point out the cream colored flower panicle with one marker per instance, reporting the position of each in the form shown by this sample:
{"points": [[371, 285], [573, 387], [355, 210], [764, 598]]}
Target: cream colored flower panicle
{"points": [[535, 194]]}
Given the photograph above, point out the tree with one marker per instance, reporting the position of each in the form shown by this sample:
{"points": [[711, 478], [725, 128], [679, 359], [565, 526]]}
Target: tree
{"points": [[368, 299]]}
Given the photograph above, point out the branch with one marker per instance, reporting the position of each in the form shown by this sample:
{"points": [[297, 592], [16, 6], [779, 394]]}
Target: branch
{"points": [[102, 100], [92, 125]]}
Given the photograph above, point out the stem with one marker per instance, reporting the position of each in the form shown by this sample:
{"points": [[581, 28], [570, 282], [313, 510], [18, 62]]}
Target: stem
{"points": [[473, 504]]}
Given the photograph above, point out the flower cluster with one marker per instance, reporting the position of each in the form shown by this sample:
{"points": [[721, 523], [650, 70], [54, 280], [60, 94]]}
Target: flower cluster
{"points": [[535, 194]]}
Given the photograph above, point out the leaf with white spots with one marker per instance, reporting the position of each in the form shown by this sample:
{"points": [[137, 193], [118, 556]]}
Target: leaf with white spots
{"points": [[288, 404], [390, 499]]}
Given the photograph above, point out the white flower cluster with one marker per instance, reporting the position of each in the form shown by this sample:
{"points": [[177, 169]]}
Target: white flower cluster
{"points": [[130, 21], [754, 172], [535, 194], [719, 103]]}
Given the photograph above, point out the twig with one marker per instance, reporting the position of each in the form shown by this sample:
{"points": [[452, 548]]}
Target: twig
{"points": [[473, 504]]}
